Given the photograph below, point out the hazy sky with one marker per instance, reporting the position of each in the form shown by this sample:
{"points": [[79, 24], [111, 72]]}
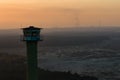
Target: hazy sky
{"points": [[59, 13]]}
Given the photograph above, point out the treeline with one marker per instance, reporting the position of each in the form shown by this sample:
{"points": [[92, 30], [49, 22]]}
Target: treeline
{"points": [[56, 75], [13, 67]]}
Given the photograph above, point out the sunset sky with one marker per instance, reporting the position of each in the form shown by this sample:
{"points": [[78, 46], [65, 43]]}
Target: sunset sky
{"points": [[59, 13]]}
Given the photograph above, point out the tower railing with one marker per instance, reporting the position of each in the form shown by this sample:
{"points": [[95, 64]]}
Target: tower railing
{"points": [[31, 38]]}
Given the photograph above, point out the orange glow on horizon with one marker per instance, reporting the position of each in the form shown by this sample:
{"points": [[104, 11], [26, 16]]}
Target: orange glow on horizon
{"points": [[57, 13]]}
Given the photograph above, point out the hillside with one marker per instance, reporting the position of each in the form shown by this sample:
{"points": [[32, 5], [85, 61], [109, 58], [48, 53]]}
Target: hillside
{"points": [[13, 67]]}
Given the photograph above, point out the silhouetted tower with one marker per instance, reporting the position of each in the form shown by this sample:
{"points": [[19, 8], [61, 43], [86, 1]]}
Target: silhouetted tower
{"points": [[31, 37]]}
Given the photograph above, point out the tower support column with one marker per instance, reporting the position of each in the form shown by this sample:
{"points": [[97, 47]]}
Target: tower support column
{"points": [[32, 67], [31, 35]]}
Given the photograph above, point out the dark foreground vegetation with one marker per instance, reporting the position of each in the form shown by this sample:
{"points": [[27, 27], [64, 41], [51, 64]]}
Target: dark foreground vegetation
{"points": [[13, 67]]}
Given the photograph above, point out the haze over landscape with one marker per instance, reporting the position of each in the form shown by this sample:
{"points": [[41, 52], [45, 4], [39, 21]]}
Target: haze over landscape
{"points": [[93, 52], [81, 36]]}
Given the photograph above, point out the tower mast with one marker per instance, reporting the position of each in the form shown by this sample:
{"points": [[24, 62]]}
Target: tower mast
{"points": [[31, 37]]}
